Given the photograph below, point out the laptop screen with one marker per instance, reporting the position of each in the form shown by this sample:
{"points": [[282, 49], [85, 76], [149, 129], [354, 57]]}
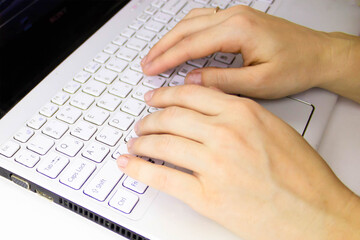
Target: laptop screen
{"points": [[36, 35]]}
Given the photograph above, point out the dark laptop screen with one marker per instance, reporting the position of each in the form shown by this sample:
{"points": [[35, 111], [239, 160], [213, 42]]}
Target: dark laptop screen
{"points": [[36, 35]]}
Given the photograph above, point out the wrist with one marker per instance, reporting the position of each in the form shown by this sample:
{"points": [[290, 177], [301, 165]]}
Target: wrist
{"points": [[340, 68]]}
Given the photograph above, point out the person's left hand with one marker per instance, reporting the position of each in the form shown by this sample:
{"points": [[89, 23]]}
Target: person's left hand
{"points": [[251, 172]]}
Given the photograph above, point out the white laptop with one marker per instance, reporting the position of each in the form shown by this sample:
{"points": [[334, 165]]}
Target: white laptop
{"points": [[62, 139]]}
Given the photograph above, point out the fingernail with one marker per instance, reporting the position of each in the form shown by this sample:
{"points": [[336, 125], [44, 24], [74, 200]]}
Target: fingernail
{"points": [[136, 128], [123, 161], [149, 95], [143, 61], [194, 77], [130, 143]]}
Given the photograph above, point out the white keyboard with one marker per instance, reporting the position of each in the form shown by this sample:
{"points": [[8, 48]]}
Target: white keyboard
{"points": [[76, 137]]}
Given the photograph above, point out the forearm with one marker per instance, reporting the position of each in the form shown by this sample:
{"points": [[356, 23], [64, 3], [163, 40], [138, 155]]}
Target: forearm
{"points": [[343, 74]]}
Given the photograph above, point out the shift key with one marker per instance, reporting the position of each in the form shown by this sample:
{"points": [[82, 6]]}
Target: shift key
{"points": [[104, 181]]}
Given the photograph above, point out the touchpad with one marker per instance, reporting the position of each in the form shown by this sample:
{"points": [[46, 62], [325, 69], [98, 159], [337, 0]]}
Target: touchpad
{"points": [[295, 112]]}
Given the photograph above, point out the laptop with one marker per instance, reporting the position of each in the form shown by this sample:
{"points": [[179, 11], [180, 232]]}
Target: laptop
{"points": [[52, 141]]}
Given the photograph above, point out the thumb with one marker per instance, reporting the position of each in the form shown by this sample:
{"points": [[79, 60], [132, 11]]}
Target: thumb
{"points": [[245, 80]]}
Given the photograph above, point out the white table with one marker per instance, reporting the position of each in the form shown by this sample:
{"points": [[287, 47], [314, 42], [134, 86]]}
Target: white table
{"points": [[24, 215]]}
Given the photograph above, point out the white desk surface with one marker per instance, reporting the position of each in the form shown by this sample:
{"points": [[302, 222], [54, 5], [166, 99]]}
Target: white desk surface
{"points": [[25, 215]]}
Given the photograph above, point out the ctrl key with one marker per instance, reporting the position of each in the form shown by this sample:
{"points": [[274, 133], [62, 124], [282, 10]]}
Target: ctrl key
{"points": [[124, 201]]}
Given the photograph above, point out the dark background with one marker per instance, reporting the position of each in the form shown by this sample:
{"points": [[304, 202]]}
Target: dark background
{"points": [[37, 35]]}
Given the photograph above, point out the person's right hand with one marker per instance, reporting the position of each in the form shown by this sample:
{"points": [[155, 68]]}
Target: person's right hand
{"points": [[280, 57]]}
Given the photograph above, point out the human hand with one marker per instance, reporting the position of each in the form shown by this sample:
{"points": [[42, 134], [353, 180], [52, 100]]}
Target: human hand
{"points": [[280, 57], [251, 172]]}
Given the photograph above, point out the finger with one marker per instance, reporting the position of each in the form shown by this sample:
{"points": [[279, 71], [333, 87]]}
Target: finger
{"points": [[248, 81], [193, 46], [178, 184], [179, 151], [194, 97], [176, 121], [184, 28], [197, 12]]}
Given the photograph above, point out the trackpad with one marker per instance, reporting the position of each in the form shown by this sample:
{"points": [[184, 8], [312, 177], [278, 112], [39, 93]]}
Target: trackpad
{"points": [[295, 112]]}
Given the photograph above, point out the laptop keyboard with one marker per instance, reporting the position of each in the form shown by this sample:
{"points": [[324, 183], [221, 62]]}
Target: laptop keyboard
{"points": [[76, 137]]}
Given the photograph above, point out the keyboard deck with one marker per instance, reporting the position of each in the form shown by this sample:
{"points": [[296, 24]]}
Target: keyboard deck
{"points": [[77, 135]]}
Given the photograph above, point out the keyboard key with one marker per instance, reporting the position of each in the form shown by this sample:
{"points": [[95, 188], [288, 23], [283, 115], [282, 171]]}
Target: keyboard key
{"points": [[157, 3], [109, 135], [151, 10], [95, 152], [82, 101], [136, 25], [97, 116], [173, 6], [220, 3], [60, 98], [69, 114], [72, 87], [124, 201], [9, 148], [136, 44], [69, 146], [127, 54], [262, 6], [24, 134], [167, 73], [83, 130], [144, 17], [105, 76], [120, 89], [242, 2], [49, 109], [119, 40], [111, 48], [77, 173], [52, 165], [131, 134], [104, 181], [122, 121], [162, 17], [116, 65], [136, 65], [185, 69], [226, 58], [27, 158], [102, 57], [190, 6], [217, 64], [36, 122], [121, 150], [127, 33], [140, 92], [176, 81], [146, 35], [135, 185], [40, 144], [134, 107], [199, 63], [94, 88], [109, 102], [154, 26], [154, 81], [92, 67], [131, 77], [55, 129]]}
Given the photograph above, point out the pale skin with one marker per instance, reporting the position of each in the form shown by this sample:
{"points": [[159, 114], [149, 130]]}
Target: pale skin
{"points": [[251, 172]]}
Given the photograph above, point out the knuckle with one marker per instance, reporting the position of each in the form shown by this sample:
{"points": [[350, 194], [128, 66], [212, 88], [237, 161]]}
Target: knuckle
{"points": [[244, 19], [185, 92], [169, 113], [193, 12]]}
